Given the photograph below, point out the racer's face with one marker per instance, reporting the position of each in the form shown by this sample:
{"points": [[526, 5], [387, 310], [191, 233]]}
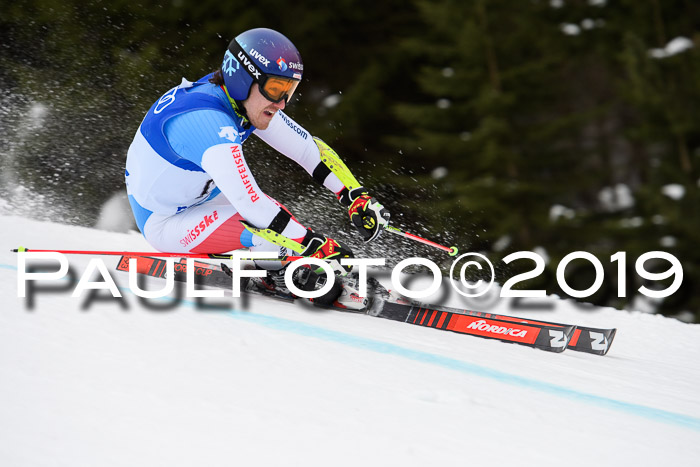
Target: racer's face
{"points": [[259, 109]]}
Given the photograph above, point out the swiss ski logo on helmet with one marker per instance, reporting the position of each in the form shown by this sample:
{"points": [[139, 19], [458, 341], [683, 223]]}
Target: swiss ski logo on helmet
{"points": [[282, 64], [230, 64]]}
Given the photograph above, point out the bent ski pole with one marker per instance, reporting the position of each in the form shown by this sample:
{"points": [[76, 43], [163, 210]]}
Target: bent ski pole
{"points": [[451, 250]]}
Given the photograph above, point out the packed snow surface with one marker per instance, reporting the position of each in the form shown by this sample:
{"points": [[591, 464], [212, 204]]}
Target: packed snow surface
{"points": [[119, 383]]}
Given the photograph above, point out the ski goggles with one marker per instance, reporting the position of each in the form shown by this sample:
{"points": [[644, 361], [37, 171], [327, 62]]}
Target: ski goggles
{"points": [[276, 88]]}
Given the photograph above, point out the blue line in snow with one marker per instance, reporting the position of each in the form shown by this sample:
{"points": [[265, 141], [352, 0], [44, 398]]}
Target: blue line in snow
{"points": [[308, 330], [466, 367]]}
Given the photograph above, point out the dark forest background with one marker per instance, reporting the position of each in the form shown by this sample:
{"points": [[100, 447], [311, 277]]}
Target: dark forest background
{"points": [[499, 126]]}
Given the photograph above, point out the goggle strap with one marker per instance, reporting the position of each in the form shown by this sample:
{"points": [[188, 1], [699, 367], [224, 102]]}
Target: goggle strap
{"points": [[236, 49]]}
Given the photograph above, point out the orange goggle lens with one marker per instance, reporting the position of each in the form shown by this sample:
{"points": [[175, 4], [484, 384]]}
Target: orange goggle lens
{"points": [[276, 88]]}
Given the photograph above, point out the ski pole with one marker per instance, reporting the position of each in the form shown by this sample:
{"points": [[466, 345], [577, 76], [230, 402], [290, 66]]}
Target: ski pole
{"points": [[150, 253], [451, 250]]}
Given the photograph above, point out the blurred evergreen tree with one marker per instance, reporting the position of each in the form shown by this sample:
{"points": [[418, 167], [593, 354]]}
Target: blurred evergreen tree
{"points": [[662, 69], [497, 113]]}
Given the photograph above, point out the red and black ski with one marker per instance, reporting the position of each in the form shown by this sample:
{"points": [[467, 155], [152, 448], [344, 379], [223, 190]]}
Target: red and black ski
{"points": [[554, 337], [580, 338]]}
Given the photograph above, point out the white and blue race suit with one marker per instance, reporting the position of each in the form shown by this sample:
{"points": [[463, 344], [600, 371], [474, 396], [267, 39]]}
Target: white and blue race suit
{"points": [[189, 184]]}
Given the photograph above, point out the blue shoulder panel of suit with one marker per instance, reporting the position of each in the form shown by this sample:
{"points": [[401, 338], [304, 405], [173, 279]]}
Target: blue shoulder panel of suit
{"points": [[187, 120]]}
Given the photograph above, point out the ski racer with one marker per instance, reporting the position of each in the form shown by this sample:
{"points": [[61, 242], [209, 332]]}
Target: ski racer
{"points": [[187, 178]]}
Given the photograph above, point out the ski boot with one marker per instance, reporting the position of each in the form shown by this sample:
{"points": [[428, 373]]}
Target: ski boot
{"points": [[304, 279], [349, 297]]}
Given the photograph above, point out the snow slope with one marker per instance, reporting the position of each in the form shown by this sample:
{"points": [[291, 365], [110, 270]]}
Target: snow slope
{"points": [[116, 383]]}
